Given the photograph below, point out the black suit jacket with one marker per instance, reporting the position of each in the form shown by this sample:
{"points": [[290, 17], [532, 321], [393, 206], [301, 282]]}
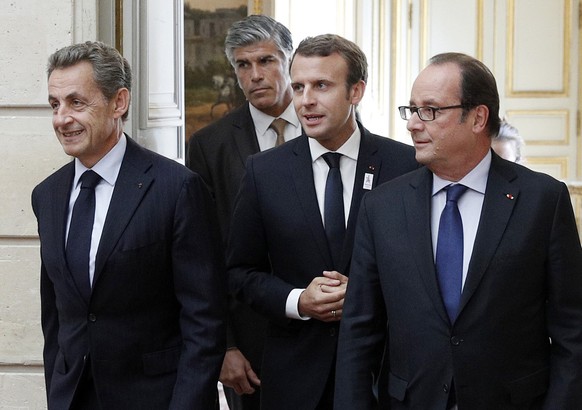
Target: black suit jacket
{"points": [[523, 288], [153, 328], [277, 220], [218, 153]]}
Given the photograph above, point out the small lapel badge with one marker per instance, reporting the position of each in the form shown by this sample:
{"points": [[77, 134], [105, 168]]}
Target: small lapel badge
{"points": [[509, 196], [368, 181], [139, 185]]}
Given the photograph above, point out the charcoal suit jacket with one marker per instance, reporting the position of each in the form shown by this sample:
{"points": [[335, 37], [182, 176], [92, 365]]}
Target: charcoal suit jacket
{"points": [[517, 341], [218, 153]]}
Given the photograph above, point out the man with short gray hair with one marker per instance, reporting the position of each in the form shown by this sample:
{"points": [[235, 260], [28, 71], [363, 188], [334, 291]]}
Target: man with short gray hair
{"points": [[259, 49], [132, 276]]}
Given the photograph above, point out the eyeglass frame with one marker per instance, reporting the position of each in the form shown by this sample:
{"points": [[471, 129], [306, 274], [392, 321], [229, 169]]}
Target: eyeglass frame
{"points": [[434, 110]]}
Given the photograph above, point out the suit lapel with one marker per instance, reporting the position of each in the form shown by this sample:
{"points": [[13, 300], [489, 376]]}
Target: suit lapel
{"points": [[131, 186], [417, 207], [301, 169], [60, 208], [366, 178], [245, 134], [498, 204]]}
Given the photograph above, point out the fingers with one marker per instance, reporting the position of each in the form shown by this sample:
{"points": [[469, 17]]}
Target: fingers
{"points": [[335, 275], [243, 387], [253, 378], [235, 373], [336, 315], [340, 282]]}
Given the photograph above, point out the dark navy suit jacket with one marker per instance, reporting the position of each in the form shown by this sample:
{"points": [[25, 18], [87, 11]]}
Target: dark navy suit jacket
{"points": [[277, 220], [153, 327]]}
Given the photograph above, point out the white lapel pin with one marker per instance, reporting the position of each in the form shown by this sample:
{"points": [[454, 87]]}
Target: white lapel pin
{"points": [[368, 181]]}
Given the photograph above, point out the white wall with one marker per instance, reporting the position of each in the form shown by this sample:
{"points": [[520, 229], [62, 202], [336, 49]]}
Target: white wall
{"points": [[31, 31]]}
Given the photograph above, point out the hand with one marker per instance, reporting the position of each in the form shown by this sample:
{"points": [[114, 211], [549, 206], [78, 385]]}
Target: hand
{"points": [[237, 373], [324, 297]]}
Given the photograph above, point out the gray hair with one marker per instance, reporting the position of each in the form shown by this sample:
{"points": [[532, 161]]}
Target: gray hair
{"points": [[111, 71], [254, 29], [508, 133]]}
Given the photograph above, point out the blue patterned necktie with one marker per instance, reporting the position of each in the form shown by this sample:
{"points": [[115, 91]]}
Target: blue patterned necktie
{"points": [[333, 207], [80, 230], [449, 254]]}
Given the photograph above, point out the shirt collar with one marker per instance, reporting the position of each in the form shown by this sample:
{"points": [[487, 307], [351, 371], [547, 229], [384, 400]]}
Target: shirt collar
{"points": [[476, 179], [108, 167], [350, 148], [263, 121]]}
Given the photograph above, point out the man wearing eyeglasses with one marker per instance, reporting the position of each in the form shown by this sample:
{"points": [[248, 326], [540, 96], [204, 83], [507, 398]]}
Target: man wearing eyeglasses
{"points": [[466, 281]]}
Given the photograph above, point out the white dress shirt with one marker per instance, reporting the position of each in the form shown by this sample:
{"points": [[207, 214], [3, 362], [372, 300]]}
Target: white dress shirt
{"points": [[266, 136], [470, 204], [349, 150], [108, 169]]}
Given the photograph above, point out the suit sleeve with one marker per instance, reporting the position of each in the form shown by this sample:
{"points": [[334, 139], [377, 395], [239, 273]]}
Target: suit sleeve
{"points": [[199, 280], [363, 329], [197, 161], [249, 276], [564, 309], [49, 316]]}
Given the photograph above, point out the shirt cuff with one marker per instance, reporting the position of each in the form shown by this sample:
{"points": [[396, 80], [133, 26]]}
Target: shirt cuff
{"points": [[292, 305]]}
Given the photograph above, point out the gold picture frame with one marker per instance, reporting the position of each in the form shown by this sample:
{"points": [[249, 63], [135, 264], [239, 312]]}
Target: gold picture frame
{"points": [[211, 89]]}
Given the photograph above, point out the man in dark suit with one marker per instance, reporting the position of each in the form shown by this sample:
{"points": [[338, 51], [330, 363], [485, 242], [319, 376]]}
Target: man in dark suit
{"points": [[259, 48], [279, 217], [136, 318], [493, 322]]}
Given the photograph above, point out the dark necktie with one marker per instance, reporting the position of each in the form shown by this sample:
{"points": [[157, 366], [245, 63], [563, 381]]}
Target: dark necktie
{"points": [[278, 125], [449, 255], [333, 207], [79, 238]]}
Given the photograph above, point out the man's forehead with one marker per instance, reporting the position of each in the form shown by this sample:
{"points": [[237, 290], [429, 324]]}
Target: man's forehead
{"points": [[436, 83], [258, 49]]}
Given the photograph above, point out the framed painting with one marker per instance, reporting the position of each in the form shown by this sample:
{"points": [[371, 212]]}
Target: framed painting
{"points": [[211, 89]]}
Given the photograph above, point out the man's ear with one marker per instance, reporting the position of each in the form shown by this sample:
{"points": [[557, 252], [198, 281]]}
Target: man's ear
{"points": [[480, 119], [357, 92], [121, 102]]}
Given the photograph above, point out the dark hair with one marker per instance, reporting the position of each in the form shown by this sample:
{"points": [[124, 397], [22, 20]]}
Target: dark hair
{"points": [[254, 29], [111, 71], [327, 44], [478, 86]]}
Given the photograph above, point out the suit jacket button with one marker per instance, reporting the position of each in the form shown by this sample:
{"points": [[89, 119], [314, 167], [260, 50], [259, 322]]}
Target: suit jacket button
{"points": [[446, 388], [332, 331], [455, 341], [92, 317]]}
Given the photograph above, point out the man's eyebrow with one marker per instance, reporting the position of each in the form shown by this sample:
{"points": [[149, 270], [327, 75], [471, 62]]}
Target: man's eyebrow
{"points": [[70, 96]]}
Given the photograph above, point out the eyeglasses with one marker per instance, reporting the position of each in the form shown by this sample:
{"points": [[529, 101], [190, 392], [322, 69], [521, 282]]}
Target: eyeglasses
{"points": [[424, 113]]}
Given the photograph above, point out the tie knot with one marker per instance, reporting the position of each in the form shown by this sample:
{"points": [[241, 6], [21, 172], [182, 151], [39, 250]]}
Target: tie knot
{"points": [[332, 159], [454, 192], [90, 179], [278, 125]]}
